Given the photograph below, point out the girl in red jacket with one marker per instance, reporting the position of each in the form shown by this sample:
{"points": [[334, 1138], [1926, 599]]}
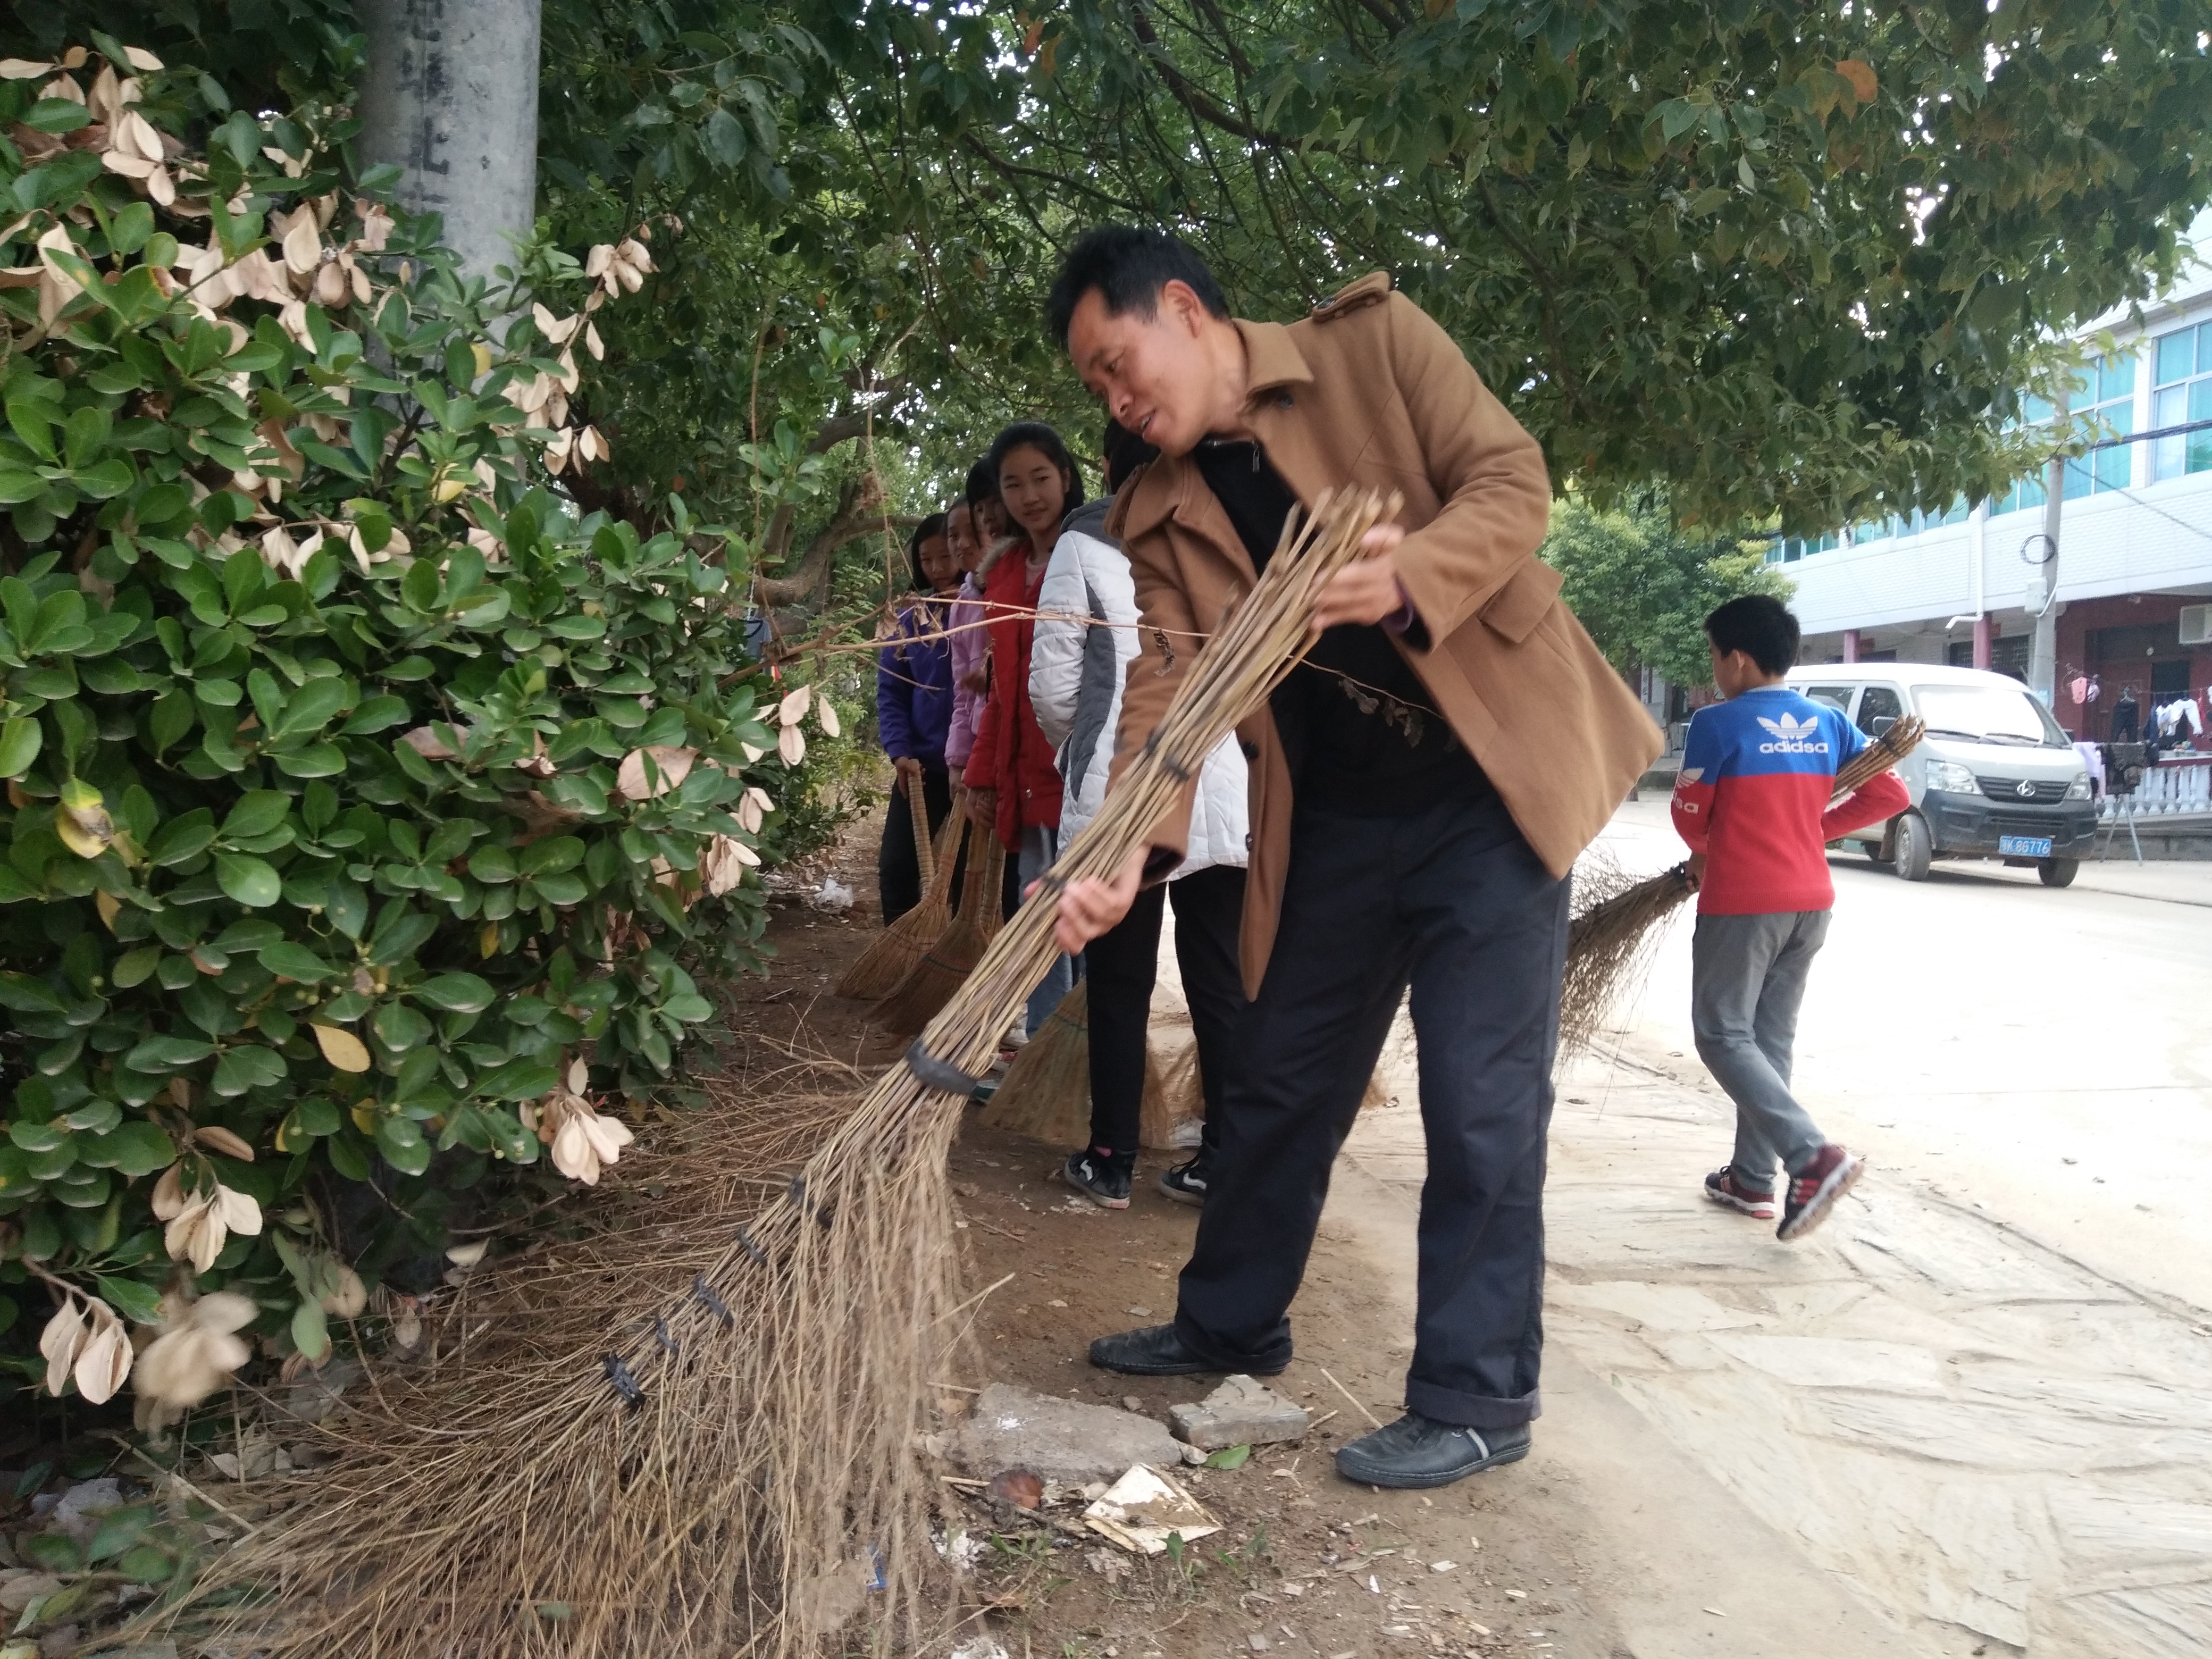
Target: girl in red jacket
{"points": [[1012, 781]]}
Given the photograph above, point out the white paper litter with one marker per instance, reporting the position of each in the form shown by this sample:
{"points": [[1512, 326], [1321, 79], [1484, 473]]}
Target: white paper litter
{"points": [[1140, 1509]]}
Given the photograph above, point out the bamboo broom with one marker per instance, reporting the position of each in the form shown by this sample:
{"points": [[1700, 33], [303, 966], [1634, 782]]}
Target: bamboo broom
{"points": [[732, 1468], [931, 981], [892, 957], [1610, 941]]}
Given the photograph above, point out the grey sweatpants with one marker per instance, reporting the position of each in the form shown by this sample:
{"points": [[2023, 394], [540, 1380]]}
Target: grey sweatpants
{"points": [[1747, 978]]}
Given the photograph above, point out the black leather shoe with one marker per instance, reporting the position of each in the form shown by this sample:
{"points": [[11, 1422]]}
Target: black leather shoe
{"points": [[1152, 1351], [1156, 1351], [1420, 1451]]}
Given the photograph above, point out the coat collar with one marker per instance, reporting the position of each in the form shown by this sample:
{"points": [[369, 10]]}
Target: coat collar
{"points": [[1272, 360]]}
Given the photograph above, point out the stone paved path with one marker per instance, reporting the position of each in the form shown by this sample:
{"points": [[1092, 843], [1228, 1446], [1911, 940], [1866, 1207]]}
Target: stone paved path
{"points": [[2004, 1451]]}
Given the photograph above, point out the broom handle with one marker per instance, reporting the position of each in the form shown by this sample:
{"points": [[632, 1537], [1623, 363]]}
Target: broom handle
{"points": [[1878, 756], [988, 896], [948, 852], [987, 870], [918, 804]]}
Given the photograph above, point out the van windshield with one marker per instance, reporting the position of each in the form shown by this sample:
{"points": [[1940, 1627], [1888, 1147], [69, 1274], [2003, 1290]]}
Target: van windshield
{"points": [[1987, 713]]}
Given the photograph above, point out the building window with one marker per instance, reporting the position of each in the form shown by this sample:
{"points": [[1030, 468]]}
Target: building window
{"points": [[2107, 387], [1790, 548], [2181, 370], [2028, 492], [2103, 405]]}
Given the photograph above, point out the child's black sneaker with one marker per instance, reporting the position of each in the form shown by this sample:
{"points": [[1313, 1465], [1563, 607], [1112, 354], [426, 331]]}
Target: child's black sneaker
{"points": [[1185, 1182], [1102, 1177], [1725, 1189], [1814, 1191]]}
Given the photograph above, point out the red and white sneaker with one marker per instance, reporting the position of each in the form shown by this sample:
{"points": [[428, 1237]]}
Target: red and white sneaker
{"points": [[1813, 1194], [1723, 1188]]}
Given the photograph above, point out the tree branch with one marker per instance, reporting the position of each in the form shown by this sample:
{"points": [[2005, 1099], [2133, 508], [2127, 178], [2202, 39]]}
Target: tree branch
{"points": [[859, 510]]}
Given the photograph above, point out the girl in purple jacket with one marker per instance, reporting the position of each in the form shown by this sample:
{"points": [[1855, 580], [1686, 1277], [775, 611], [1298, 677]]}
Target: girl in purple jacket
{"points": [[914, 714]]}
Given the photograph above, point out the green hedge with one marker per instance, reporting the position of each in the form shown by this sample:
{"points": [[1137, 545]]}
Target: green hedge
{"points": [[355, 783]]}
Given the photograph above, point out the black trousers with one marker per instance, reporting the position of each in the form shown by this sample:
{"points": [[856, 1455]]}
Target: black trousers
{"points": [[1452, 901], [1122, 965], [901, 878]]}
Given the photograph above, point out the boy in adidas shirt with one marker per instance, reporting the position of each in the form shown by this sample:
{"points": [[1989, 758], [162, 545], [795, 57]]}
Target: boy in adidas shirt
{"points": [[1753, 802]]}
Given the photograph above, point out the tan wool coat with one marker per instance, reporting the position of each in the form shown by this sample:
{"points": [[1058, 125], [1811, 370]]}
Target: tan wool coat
{"points": [[1369, 390]]}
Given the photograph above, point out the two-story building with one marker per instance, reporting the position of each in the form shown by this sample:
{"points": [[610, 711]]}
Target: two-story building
{"points": [[2134, 596]]}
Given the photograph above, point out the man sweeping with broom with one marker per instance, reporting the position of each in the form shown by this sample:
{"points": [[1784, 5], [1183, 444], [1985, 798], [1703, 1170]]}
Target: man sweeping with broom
{"points": [[1420, 786]]}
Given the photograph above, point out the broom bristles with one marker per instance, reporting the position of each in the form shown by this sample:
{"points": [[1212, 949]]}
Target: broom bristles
{"points": [[1046, 1093], [732, 1468], [891, 957], [931, 983]]}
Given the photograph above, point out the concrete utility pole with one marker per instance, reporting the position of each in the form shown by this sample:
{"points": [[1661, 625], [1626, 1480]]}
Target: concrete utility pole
{"points": [[451, 98], [2043, 648]]}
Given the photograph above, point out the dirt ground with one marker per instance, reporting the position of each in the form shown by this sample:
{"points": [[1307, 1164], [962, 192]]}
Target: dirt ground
{"points": [[1307, 1563]]}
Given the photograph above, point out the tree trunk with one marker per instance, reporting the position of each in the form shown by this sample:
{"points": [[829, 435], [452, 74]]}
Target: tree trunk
{"points": [[451, 98]]}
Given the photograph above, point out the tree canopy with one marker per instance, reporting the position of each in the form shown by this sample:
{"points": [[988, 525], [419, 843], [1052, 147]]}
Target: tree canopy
{"points": [[1643, 587], [1794, 260]]}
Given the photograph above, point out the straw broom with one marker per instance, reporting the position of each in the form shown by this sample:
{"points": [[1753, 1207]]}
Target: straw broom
{"points": [[1048, 1097], [931, 981], [1046, 1093], [892, 957], [1610, 941], [731, 1468]]}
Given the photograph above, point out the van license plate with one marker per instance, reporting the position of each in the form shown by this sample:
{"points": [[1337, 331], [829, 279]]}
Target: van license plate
{"points": [[2024, 847]]}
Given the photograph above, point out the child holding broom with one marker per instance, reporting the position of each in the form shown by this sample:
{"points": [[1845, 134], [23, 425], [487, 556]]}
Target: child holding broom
{"points": [[1086, 638], [914, 714], [1752, 803]]}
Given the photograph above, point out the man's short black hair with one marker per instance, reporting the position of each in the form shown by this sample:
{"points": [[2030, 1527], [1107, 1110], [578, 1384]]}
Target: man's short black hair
{"points": [[1129, 267], [1759, 625]]}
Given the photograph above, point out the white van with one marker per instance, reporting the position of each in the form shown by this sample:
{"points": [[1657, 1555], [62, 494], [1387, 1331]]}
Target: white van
{"points": [[1994, 777]]}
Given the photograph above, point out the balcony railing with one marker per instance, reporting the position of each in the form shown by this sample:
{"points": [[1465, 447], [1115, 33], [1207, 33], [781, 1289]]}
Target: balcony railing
{"points": [[2178, 783]]}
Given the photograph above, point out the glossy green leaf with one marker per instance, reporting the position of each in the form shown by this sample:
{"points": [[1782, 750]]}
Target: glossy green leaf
{"points": [[249, 880], [132, 1150], [21, 739], [459, 993]]}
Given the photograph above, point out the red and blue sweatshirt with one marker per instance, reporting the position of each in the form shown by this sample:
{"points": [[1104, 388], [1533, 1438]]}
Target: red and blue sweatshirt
{"points": [[1753, 797]]}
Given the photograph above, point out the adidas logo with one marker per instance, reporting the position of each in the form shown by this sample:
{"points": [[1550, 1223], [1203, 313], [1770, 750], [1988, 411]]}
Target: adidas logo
{"points": [[1792, 736]]}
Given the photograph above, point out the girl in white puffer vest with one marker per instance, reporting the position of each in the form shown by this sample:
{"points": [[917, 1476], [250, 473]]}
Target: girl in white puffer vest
{"points": [[1086, 638]]}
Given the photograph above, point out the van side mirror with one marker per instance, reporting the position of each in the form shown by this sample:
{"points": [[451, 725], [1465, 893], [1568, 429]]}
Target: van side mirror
{"points": [[1882, 723]]}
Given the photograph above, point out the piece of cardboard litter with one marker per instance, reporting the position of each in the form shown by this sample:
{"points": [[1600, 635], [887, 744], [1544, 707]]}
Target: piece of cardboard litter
{"points": [[1142, 1508]]}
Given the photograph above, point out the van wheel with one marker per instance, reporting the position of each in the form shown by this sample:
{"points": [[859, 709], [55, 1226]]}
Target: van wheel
{"points": [[1873, 850], [1915, 848], [2057, 873]]}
